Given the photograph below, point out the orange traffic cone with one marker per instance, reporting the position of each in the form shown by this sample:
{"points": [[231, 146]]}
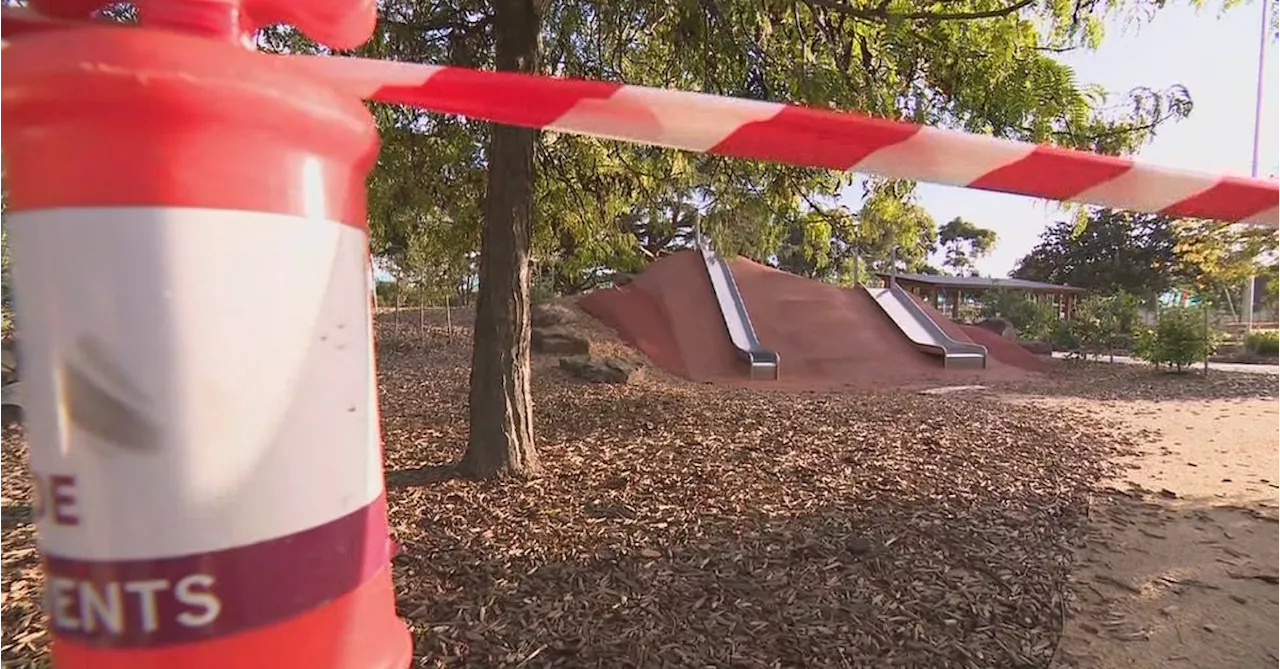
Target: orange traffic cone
{"points": [[189, 241]]}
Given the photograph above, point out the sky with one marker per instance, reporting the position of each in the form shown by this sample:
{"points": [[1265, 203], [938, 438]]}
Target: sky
{"points": [[1213, 53]]}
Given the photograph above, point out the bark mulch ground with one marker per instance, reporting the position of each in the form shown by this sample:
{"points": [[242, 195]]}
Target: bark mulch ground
{"points": [[687, 525]]}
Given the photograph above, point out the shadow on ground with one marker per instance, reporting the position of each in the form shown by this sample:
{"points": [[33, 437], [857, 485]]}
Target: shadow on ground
{"points": [[13, 516], [687, 525]]}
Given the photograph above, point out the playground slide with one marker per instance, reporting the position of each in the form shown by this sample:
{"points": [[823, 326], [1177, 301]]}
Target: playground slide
{"points": [[763, 363], [924, 332]]}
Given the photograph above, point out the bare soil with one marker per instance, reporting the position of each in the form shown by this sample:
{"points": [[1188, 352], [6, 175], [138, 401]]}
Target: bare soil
{"points": [[1179, 564]]}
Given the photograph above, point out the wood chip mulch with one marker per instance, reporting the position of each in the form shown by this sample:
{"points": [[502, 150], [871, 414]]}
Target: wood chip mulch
{"points": [[687, 525]]}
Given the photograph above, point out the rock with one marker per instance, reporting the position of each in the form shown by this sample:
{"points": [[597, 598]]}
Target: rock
{"points": [[559, 341], [10, 415], [10, 404], [9, 363], [622, 279], [551, 315], [11, 394], [1001, 327], [598, 369], [1037, 347]]}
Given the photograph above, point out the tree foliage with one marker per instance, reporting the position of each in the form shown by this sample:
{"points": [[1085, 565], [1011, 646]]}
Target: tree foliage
{"points": [[1147, 255], [824, 243], [981, 65], [1217, 259], [1034, 319], [1113, 252], [964, 242], [986, 66]]}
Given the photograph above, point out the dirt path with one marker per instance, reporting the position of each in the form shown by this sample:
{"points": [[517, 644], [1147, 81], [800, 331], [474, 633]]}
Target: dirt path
{"points": [[1180, 566]]}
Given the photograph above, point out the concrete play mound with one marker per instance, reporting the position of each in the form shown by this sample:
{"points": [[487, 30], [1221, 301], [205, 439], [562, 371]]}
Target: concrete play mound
{"points": [[827, 336]]}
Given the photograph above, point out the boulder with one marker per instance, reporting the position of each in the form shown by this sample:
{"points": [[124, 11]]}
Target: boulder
{"points": [[8, 365], [551, 315], [559, 341], [1037, 347], [10, 394], [1001, 327], [598, 369], [11, 400]]}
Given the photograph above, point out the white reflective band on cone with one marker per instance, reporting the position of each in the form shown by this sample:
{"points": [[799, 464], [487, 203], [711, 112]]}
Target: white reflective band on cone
{"points": [[211, 380]]}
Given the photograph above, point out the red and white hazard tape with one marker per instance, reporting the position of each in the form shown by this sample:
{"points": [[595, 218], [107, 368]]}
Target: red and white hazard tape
{"points": [[789, 134], [810, 137]]}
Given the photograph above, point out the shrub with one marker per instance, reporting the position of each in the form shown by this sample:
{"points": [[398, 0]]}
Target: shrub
{"points": [[1099, 325], [542, 289], [1263, 342], [1064, 336], [1033, 318], [1177, 340], [968, 313]]}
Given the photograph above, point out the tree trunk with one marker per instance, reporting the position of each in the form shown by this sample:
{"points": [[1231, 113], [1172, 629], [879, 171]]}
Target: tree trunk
{"points": [[422, 309], [395, 318], [448, 318], [501, 410]]}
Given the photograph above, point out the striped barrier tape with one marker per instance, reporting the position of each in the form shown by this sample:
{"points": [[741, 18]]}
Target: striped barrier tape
{"points": [[789, 134], [808, 137]]}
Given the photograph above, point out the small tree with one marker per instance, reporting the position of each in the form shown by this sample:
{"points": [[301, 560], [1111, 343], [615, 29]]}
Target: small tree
{"points": [[1178, 339], [1089, 328], [1117, 317]]}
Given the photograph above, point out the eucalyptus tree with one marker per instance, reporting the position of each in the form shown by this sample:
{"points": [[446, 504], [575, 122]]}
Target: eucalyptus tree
{"points": [[985, 66]]}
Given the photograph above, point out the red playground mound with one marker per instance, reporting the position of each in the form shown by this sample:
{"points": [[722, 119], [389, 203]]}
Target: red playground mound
{"points": [[826, 336], [1008, 352]]}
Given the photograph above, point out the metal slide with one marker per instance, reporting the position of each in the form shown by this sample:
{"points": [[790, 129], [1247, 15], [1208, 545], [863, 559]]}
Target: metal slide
{"points": [[763, 363], [924, 332]]}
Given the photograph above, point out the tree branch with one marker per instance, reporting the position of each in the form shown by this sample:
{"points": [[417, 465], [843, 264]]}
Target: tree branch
{"points": [[881, 13]]}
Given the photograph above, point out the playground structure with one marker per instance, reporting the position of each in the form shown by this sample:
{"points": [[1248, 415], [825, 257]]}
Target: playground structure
{"points": [[163, 481], [827, 336], [761, 362], [923, 331], [905, 311], [909, 316]]}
